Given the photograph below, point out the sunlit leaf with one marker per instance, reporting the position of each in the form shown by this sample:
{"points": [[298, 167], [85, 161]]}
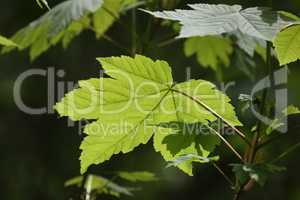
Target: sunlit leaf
{"points": [[7, 42], [290, 110], [287, 44], [130, 107]]}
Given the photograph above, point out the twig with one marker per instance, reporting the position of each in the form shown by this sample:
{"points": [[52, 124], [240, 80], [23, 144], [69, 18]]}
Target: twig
{"points": [[167, 42], [223, 174], [237, 195], [133, 32], [115, 43], [82, 187], [255, 140], [265, 143], [227, 143], [289, 150], [242, 135]]}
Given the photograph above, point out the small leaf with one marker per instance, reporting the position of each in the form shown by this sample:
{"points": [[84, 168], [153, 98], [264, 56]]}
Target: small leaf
{"points": [[258, 172], [100, 185], [277, 123], [211, 51], [290, 110], [191, 158], [142, 176], [287, 44], [7, 42], [42, 3]]}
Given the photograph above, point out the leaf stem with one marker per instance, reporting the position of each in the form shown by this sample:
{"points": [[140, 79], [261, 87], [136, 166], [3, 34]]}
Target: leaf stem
{"points": [[269, 141], [112, 41], [255, 140], [115, 43], [237, 195], [223, 173], [82, 186], [289, 150], [227, 143], [167, 42], [133, 32]]}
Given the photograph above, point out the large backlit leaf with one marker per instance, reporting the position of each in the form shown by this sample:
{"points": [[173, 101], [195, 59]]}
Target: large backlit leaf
{"points": [[287, 44], [130, 107], [211, 19]]}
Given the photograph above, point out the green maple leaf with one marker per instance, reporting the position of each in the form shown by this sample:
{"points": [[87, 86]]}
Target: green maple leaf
{"points": [[130, 106], [211, 51], [212, 19], [287, 44]]}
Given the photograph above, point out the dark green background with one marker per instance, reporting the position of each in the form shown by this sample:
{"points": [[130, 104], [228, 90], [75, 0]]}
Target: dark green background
{"points": [[39, 152]]}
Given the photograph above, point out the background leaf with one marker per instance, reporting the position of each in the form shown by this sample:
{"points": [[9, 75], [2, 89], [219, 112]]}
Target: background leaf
{"points": [[211, 51], [7, 42], [99, 185], [287, 44], [142, 176]]}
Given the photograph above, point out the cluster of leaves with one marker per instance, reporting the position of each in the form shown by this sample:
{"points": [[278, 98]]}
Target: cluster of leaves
{"points": [[67, 20], [210, 27], [140, 100], [96, 185]]}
